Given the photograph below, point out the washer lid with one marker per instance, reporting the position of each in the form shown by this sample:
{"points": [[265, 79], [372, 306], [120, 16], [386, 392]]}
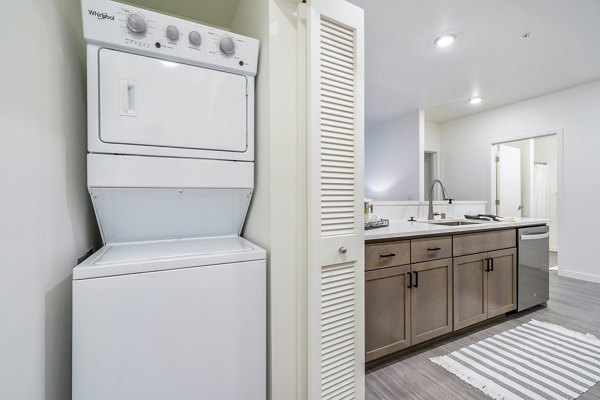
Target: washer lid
{"points": [[148, 214], [162, 255], [157, 198]]}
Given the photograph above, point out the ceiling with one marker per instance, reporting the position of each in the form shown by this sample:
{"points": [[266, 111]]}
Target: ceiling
{"points": [[405, 71], [211, 12]]}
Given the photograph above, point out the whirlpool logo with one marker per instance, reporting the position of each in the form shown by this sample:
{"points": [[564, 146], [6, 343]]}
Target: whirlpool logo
{"points": [[101, 15]]}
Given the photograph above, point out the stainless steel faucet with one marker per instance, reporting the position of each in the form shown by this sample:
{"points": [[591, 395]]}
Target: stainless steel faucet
{"points": [[444, 196]]}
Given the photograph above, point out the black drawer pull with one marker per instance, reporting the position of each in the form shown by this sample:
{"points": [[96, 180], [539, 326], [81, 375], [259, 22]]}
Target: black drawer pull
{"points": [[409, 279], [416, 279], [491, 264], [387, 255], [487, 264], [434, 248]]}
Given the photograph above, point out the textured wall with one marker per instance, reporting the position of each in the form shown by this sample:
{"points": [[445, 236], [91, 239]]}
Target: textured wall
{"points": [[46, 220]]}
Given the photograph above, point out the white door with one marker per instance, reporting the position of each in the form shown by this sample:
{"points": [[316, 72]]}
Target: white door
{"points": [[335, 130], [150, 102], [508, 181]]}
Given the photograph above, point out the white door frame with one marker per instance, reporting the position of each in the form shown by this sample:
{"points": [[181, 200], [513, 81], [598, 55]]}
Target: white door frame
{"points": [[560, 211]]}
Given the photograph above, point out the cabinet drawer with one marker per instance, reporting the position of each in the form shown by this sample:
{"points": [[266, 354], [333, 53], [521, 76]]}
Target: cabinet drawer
{"points": [[381, 255], [484, 241], [430, 249]]}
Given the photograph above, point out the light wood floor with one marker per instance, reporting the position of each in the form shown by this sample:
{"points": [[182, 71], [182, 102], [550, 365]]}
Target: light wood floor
{"points": [[573, 304]]}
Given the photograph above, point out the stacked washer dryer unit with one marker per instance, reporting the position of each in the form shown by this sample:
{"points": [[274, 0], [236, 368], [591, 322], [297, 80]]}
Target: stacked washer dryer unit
{"points": [[174, 305]]}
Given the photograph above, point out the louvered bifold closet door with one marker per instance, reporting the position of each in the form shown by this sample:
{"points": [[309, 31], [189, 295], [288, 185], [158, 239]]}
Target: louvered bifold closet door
{"points": [[335, 131]]}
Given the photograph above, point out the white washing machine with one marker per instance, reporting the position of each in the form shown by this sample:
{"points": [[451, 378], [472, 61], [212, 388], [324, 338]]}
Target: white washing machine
{"points": [[175, 319], [173, 306]]}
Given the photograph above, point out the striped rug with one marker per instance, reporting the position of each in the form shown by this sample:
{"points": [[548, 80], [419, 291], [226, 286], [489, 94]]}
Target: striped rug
{"points": [[537, 360]]}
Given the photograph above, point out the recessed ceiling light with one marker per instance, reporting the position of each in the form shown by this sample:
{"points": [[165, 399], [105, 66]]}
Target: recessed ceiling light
{"points": [[475, 100], [445, 40]]}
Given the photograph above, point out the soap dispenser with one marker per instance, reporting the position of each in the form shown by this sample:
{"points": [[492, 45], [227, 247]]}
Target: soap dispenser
{"points": [[450, 209], [368, 210]]}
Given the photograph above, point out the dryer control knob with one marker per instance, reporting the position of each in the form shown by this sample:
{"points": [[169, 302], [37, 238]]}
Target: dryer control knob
{"points": [[227, 45], [172, 32], [136, 23], [195, 38]]}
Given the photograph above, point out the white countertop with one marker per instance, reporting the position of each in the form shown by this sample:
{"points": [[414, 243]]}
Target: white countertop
{"points": [[403, 228]]}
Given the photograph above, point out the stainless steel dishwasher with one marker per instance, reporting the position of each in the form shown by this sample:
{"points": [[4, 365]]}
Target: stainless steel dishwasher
{"points": [[534, 276]]}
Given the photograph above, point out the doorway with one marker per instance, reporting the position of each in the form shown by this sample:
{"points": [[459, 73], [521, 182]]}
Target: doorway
{"points": [[526, 182], [430, 174]]}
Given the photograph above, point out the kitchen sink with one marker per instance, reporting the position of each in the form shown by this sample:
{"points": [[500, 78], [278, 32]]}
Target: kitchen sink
{"points": [[452, 223]]}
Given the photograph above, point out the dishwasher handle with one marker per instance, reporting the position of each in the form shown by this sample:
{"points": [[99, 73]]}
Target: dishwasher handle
{"points": [[535, 237]]}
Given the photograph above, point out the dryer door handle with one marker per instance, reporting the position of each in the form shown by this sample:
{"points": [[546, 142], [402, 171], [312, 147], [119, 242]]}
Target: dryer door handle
{"points": [[127, 101]]}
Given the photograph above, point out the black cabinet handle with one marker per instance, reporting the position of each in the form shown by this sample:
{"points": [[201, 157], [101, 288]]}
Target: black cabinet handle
{"points": [[387, 255], [491, 264], [409, 280], [416, 279], [433, 248], [487, 264]]}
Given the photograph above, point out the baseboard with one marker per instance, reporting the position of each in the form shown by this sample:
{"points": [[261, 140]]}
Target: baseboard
{"points": [[578, 275]]}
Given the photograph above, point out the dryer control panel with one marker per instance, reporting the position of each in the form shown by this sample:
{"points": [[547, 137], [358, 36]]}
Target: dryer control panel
{"points": [[121, 26]]}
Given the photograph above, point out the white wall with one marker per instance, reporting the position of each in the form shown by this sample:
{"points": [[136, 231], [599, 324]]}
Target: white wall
{"points": [[45, 213], [403, 210], [277, 215], [394, 158], [433, 136], [466, 165]]}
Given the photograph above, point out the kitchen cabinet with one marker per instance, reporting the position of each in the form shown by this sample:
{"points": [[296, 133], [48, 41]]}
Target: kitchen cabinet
{"points": [[407, 305], [380, 255], [482, 242], [387, 311], [418, 289], [484, 286], [470, 290], [429, 249], [502, 282], [431, 300]]}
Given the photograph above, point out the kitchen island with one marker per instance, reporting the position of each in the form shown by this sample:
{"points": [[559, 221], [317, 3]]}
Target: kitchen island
{"points": [[403, 228], [427, 279]]}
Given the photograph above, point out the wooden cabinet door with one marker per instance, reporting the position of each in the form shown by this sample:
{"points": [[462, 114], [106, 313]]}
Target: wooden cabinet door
{"points": [[470, 290], [431, 300], [387, 311], [502, 282]]}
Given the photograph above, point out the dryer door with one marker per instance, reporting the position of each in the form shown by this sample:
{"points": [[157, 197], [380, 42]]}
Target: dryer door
{"points": [[150, 102]]}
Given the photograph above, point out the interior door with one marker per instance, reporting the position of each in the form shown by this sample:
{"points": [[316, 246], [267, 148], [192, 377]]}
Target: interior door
{"points": [[151, 102], [508, 181], [335, 135]]}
